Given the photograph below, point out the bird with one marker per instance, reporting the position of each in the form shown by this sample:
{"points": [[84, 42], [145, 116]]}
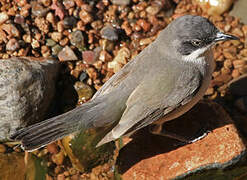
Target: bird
{"points": [[165, 80]]}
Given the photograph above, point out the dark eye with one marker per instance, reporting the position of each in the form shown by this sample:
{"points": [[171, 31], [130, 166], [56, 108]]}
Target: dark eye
{"points": [[196, 42]]}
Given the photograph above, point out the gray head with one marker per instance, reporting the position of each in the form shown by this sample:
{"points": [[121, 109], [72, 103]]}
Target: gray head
{"points": [[194, 33]]}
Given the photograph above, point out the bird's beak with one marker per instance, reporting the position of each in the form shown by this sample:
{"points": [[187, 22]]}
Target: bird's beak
{"points": [[220, 36]]}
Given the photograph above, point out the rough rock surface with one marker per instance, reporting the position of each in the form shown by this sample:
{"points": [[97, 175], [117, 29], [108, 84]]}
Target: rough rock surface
{"points": [[27, 86], [154, 157]]}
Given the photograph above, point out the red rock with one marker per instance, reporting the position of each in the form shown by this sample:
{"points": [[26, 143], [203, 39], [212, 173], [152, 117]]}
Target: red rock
{"points": [[67, 54], [154, 157], [59, 11]]}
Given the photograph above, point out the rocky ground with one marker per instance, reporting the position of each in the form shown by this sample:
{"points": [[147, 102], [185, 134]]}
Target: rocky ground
{"points": [[93, 40]]}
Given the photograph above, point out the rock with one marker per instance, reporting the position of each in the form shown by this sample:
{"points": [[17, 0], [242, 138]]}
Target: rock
{"points": [[69, 21], [67, 54], [215, 7], [153, 10], [3, 17], [238, 86], [120, 59], [120, 2], [83, 76], [239, 10], [77, 40], [156, 157], [89, 57], [38, 10], [2, 148], [58, 158], [27, 86], [12, 45], [84, 91], [56, 36], [11, 30], [19, 19], [109, 32], [50, 42], [59, 11], [56, 49]]}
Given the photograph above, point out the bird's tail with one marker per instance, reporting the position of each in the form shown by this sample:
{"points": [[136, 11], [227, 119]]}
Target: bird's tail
{"points": [[45, 132]]}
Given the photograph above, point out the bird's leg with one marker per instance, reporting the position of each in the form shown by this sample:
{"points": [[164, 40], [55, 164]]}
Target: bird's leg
{"points": [[157, 129]]}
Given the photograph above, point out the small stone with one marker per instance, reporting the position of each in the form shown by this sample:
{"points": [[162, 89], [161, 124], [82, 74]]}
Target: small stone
{"points": [[56, 49], [105, 56], [3, 17], [153, 10], [89, 57], [145, 41], [67, 54], [144, 24], [46, 2], [50, 42], [42, 24], [35, 44], [228, 63], [77, 39], [121, 2], [11, 30], [235, 73], [59, 11], [52, 148], [60, 177], [109, 32], [56, 36], [68, 4], [2, 148], [84, 92], [85, 16], [19, 19], [12, 45], [58, 158], [209, 91], [239, 63], [69, 21], [38, 10], [83, 76]]}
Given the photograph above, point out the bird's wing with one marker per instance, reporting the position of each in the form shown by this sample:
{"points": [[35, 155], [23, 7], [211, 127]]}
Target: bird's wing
{"points": [[154, 98]]}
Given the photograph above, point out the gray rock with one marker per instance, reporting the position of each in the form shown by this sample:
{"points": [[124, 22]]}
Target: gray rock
{"points": [[12, 45], [38, 10], [239, 10], [26, 90], [109, 32], [77, 40]]}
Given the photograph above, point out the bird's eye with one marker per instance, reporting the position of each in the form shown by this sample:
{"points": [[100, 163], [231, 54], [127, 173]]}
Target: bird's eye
{"points": [[196, 42]]}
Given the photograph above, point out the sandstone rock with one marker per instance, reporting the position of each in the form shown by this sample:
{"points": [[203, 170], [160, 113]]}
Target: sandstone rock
{"points": [[156, 157]]}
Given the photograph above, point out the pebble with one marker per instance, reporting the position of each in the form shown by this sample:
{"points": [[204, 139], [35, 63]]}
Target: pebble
{"points": [[59, 11], [56, 36], [239, 63], [67, 54], [68, 4], [50, 42], [215, 7], [56, 49], [109, 32], [2, 148], [58, 158], [69, 21], [77, 39], [89, 57], [12, 45], [38, 10], [3, 17], [153, 10], [84, 91], [11, 30], [83, 76], [120, 2], [19, 19], [120, 59], [52, 148]]}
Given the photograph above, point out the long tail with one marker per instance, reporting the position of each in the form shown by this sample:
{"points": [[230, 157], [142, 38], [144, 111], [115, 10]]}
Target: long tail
{"points": [[45, 132]]}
